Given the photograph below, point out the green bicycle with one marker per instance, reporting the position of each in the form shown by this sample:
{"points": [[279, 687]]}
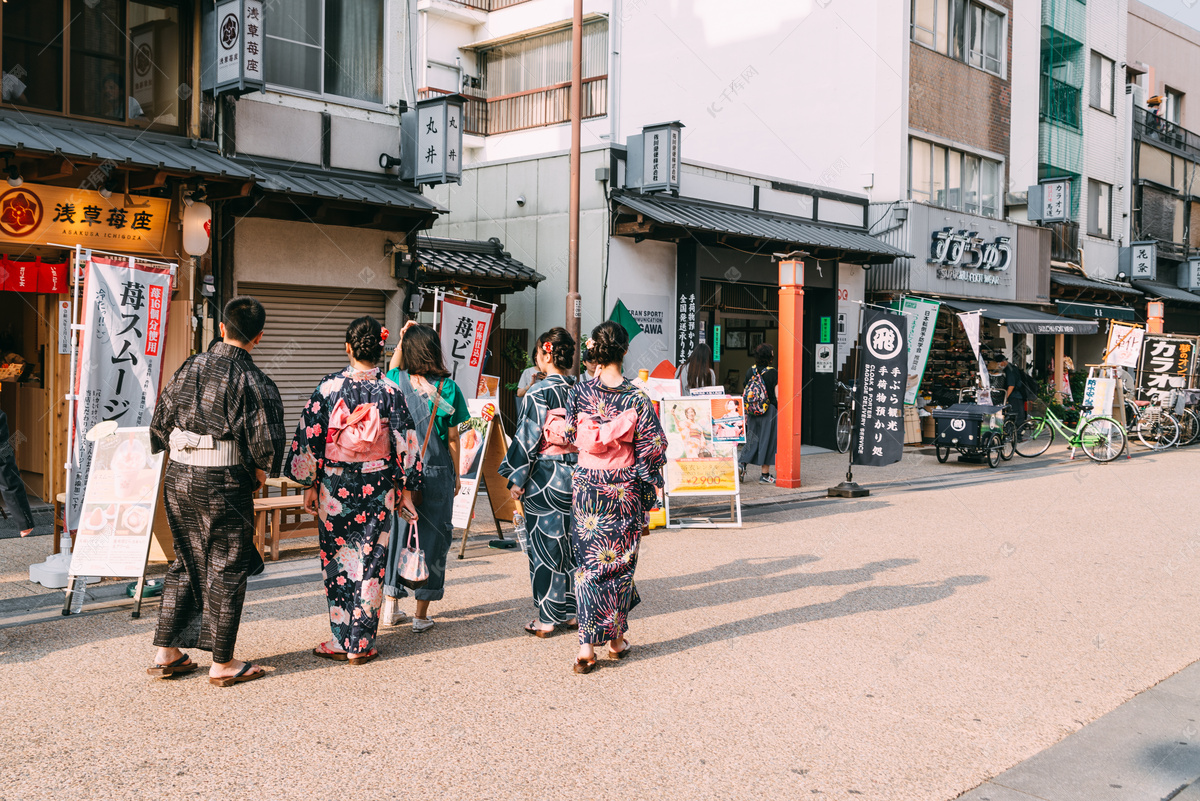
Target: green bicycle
{"points": [[1101, 438]]}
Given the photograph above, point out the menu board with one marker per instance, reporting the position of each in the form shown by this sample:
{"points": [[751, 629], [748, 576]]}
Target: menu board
{"points": [[117, 516], [698, 461]]}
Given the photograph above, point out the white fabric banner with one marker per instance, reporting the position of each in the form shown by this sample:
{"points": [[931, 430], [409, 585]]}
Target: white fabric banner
{"points": [[125, 305], [464, 332], [970, 323], [1124, 345], [922, 318]]}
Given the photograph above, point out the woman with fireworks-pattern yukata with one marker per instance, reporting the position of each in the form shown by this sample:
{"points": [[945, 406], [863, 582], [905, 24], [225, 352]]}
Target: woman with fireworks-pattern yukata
{"points": [[356, 448], [621, 455]]}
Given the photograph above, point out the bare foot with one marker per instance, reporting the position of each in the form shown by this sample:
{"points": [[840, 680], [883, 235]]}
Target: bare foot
{"points": [[228, 669], [167, 656]]}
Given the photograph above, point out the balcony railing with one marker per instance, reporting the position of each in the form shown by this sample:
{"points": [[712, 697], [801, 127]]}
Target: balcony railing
{"points": [[1060, 102], [535, 108], [489, 5], [1064, 241], [1151, 127]]}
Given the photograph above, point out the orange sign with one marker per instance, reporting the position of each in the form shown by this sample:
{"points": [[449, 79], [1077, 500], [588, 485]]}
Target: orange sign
{"points": [[54, 215]]}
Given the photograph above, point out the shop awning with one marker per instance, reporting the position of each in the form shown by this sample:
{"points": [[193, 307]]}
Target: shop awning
{"points": [[81, 141], [826, 241], [1080, 282], [1020, 320], [339, 185], [473, 262], [1095, 311], [1157, 289]]}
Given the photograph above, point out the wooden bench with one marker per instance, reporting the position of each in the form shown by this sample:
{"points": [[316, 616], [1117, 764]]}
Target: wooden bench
{"points": [[270, 526]]}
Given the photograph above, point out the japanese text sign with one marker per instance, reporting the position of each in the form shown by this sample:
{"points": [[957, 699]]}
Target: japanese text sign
{"points": [[120, 357], [1124, 345], [439, 140], [239, 44], [922, 317], [1166, 365], [1056, 200], [464, 334], [882, 370], [31, 214]]}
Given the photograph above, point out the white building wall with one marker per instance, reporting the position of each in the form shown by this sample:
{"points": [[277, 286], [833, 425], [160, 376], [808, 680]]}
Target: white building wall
{"points": [[1104, 137], [1024, 70]]}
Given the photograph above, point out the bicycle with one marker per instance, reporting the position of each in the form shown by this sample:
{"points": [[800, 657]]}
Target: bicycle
{"points": [[844, 423], [1156, 428], [1101, 438]]}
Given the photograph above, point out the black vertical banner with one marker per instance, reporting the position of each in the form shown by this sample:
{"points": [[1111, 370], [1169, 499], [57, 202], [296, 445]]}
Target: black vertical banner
{"points": [[882, 372]]}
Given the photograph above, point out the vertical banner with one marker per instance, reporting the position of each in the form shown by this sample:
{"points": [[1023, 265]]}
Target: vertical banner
{"points": [[1166, 365], [1098, 396], [698, 463], [970, 324], [1124, 345], [922, 318], [125, 306], [465, 329], [878, 431]]}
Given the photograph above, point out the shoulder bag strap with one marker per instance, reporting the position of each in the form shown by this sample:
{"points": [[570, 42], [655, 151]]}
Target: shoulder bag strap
{"points": [[432, 418]]}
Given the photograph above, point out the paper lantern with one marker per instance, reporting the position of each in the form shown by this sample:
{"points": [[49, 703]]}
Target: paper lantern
{"points": [[197, 228]]}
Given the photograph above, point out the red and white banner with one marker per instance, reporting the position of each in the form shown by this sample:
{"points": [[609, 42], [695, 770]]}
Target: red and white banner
{"points": [[465, 328], [125, 305]]}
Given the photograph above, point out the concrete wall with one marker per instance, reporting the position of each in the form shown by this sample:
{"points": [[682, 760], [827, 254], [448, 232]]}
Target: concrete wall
{"points": [[1024, 70], [1171, 50], [1104, 138], [535, 233]]}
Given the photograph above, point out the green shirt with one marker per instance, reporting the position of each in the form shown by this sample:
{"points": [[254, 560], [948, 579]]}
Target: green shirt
{"points": [[445, 418]]}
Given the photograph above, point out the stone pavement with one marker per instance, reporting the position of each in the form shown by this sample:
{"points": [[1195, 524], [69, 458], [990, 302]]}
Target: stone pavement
{"points": [[909, 645]]}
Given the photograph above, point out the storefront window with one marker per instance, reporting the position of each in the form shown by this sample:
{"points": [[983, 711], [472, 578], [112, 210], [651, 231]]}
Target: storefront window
{"points": [[33, 54], [116, 60], [919, 184]]}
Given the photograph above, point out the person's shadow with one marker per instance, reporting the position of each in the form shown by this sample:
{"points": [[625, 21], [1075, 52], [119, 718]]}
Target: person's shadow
{"points": [[865, 599]]}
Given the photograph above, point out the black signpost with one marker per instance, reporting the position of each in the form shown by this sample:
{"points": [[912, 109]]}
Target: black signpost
{"points": [[878, 415]]}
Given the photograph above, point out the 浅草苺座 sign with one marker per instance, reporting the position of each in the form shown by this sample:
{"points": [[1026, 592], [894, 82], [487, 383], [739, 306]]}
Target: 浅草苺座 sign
{"points": [[239, 45], [31, 214], [962, 255]]}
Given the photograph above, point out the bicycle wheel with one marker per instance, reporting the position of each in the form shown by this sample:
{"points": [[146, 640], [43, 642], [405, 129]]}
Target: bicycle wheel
{"points": [[1156, 429], [943, 452], [1189, 427], [1034, 437], [1008, 441], [1102, 439], [843, 432], [992, 444]]}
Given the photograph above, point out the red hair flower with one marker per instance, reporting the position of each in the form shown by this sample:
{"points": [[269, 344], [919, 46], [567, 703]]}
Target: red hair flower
{"points": [[383, 336]]}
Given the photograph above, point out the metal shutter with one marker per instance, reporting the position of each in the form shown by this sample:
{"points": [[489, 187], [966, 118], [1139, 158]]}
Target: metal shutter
{"points": [[305, 337]]}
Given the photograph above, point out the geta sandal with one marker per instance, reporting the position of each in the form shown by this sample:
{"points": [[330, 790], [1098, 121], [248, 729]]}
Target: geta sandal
{"points": [[585, 665], [531, 628], [183, 664], [248, 672], [624, 652], [323, 650], [362, 659]]}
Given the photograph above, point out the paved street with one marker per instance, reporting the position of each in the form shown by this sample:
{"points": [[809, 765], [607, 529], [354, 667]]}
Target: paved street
{"points": [[910, 645]]}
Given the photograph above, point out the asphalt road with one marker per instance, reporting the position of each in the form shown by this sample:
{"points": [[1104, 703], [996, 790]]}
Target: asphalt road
{"points": [[909, 645]]}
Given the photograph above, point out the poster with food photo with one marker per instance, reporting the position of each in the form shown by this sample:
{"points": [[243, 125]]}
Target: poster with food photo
{"points": [[728, 419], [697, 463], [472, 444], [117, 516]]}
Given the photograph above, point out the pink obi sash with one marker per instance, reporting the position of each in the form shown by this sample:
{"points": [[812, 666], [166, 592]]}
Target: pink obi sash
{"points": [[554, 434], [360, 436], [606, 446]]}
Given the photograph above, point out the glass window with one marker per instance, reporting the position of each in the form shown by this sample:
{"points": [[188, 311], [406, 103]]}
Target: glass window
{"points": [[938, 185], [987, 29], [1099, 208], [33, 54], [989, 190], [1100, 91], [1174, 105], [919, 170], [331, 47], [97, 61], [971, 184], [943, 26], [924, 16], [154, 64], [958, 29], [954, 180]]}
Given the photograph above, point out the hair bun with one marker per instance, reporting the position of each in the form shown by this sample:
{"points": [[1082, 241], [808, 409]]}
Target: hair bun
{"points": [[610, 343]]}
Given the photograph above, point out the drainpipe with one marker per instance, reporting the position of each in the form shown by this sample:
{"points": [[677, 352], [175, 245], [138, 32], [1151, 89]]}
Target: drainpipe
{"points": [[573, 299]]}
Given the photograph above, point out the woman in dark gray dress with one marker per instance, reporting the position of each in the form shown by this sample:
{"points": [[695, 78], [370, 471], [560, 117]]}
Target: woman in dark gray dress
{"points": [[762, 431]]}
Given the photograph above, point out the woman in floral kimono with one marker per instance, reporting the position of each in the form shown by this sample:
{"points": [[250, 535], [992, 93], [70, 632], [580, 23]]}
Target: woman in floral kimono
{"points": [[621, 455], [356, 448], [538, 467]]}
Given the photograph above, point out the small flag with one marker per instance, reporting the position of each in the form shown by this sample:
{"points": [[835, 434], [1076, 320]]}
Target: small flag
{"points": [[621, 316]]}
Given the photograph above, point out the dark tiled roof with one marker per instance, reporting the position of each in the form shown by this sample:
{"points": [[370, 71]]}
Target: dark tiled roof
{"points": [[468, 259], [125, 147], [703, 216], [1079, 282], [333, 185], [1157, 289]]}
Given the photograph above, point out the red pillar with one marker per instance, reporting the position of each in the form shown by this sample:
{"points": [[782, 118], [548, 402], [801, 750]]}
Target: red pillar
{"points": [[791, 361]]}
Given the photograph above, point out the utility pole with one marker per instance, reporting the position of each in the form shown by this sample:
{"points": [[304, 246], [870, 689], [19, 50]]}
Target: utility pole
{"points": [[573, 297]]}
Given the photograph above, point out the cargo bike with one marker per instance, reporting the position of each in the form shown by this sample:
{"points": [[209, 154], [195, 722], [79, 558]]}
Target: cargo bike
{"points": [[978, 432]]}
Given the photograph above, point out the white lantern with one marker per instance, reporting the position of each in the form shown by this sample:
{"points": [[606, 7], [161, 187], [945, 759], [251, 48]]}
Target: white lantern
{"points": [[197, 228]]}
